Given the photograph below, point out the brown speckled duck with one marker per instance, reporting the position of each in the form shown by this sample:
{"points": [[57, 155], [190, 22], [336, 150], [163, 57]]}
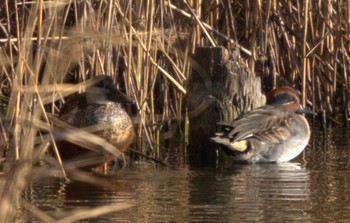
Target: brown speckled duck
{"points": [[100, 105]]}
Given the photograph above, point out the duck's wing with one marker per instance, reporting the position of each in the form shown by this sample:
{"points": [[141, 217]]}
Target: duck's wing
{"points": [[265, 124]]}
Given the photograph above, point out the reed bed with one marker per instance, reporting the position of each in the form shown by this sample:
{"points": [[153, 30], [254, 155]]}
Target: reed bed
{"points": [[146, 46]]}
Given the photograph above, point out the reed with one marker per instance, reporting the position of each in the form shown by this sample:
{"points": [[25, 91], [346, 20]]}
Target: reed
{"points": [[146, 47]]}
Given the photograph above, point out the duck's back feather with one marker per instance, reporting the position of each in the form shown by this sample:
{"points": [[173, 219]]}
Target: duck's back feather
{"points": [[264, 123]]}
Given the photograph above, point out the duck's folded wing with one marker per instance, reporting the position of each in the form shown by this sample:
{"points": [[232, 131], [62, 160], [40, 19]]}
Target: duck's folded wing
{"points": [[265, 124]]}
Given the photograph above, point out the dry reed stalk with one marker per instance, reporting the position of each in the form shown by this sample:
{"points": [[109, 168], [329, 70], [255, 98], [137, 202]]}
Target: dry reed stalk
{"points": [[303, 53], [27, 110]]}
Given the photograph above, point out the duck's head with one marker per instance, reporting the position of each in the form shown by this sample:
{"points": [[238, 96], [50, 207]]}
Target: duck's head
{"points": [[103, 90], [287, 99]]}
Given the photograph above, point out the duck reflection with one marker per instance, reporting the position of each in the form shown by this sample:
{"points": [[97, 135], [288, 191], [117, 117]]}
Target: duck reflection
{"points": [[270, 191], [79, 194]]}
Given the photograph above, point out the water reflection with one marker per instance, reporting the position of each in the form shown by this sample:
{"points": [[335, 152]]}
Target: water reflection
{"points": [[270, 191], [241, 192], [313, 188], [328, 159]]}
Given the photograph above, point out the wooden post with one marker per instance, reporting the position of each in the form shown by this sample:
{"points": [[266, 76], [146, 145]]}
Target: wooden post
{"points": [[219, 88]]}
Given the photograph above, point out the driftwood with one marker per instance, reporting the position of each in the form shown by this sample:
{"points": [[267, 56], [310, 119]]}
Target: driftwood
{"points": [[219, 89]]}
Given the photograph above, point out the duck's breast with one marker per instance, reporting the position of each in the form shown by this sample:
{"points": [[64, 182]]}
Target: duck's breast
{"points": [[295, 144]]}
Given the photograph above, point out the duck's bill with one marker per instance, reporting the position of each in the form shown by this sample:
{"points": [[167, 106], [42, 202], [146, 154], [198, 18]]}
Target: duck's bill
{"points": [[305, 111], [124, 99], [120, 97]]}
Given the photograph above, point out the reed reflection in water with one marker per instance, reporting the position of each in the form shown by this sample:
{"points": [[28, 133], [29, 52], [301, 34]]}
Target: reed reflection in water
{"points": [[313, 188]]}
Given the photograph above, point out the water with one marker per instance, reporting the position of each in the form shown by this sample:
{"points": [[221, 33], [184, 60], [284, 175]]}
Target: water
{"points": [[315, 187]]}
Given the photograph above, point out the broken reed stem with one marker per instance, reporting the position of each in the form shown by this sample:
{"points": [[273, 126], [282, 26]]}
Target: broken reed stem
{"points": [[305, 60]]}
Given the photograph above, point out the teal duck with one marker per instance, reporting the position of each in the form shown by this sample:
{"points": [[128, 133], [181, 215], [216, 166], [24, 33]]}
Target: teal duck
{"points": [[276, 132], [100, 105]]}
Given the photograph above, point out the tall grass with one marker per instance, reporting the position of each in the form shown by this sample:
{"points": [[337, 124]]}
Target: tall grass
{"points": [[146, 47]]}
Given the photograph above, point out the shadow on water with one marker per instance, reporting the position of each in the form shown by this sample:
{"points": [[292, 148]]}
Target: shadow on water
{"points": [[315, 187]]}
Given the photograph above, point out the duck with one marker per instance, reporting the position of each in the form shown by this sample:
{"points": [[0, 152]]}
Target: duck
{"points": [[101, 105], [277, 132]]}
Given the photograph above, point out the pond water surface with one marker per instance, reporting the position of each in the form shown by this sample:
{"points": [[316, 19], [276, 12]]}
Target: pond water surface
{"points": [[315, 187]]}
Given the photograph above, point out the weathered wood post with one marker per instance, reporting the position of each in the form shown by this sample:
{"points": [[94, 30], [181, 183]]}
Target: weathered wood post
{"points": [[219, 88]]}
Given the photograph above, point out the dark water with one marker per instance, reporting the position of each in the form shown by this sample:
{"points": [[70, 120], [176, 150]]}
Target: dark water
{"points": [[315, 187]]}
